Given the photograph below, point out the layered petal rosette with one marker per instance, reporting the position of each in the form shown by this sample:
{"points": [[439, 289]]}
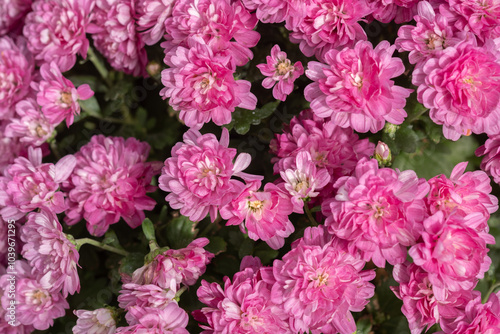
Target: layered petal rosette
{"points": [[12, 13], [272, 11], [151, 17], [100, 321], [170, 320], [491, 157], [398, 10], [355, 89], [380, 211]]}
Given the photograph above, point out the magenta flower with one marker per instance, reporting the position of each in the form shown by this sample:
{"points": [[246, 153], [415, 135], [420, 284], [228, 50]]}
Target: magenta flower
{"points": [[142, 296], [58, 97], [200, 84], [110, 182], [461, 95], [56, 29], [199, 174], [280, 71], [491, 160], [114, 33], [12, 13], [10, 149], [16, 73], [151, 17], [355, 89], [261, 214], [100, 321], [379, 210], [398, 10], [271, 11], [170, 320], [28, 185], [319, 282]]}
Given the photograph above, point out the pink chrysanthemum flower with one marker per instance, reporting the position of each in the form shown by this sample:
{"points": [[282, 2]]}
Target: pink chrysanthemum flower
{"points": [[58, 97], [280, 73], [272, 11], [170, 320], [151, 16], [398, 10], [110, 182], [16, 73], [461, 95], [199, 174], [354, 87], [148, 295], [12, 13], [330, 24], [304, 181], [491, 160], [319, 282], [32, 127], [242, 306], [114, 33], [53, 257], [56, 29], [454, 254], [379, 210], [28, 185], [421, 306], [200, 84], [221, 24], [100, 321], [10, 149], [261, 214], [462, 194]]}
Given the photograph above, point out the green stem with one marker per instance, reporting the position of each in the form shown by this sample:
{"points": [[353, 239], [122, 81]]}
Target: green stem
{"points": [[99, 65], [180, 292], [83, 241], [490, 291], [409, 120], [309, 215]]}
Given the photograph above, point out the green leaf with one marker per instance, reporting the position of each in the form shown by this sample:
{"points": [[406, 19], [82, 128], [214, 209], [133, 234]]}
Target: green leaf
{"points": [[131, 262], [91, 107], [242, 119], [148, 229], [180, 232], [246, 248], [111, 239], [95, 84], [363, 326], [217, 245]]}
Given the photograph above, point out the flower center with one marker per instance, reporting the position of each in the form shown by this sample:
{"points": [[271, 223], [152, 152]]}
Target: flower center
{"points": [[66, 98], [255, 205], [283, 67], [37, 297], [357, 80], [302, 185]]}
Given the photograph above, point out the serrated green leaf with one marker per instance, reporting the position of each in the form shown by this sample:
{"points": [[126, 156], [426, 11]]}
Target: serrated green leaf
{"points": [[180, 232], [131, 262], [246, 248], [242, 119], [91, 106], [217, 245], [407, 139]]}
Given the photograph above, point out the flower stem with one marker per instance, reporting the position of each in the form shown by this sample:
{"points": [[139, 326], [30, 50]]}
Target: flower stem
{"points": [[99, 65], [309, 215], [490, 291], [83, 241]]}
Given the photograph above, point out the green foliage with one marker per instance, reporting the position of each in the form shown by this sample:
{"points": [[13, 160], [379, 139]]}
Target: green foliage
{"points": [[242, 119]]}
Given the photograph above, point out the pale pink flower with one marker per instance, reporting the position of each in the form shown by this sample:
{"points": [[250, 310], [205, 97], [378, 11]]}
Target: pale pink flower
{"points": [[56, 29], [261, 214], [491, 160], [32, 127], [199, 174], [170, 320], [462, 194], [53, 257], [110, 182], [57, 95], [421, 306], [151, 16], [461, 95], [280, 73], [12, 13], [10, 149], [319, 282], [148, 295], [354, 87], [200, 84], [221, 24], [454, 255], [398, 10], [16, 73], [304, 181], [99, 321], [277, 11], [114, 33], [330, 25], [29, 184], [379, 210]]}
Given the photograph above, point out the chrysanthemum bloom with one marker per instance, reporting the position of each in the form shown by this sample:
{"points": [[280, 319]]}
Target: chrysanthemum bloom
{"points": [[462, 194], [242, 306], [110, 181], [12, 13], [221, 24], [304, 181], [421, 306], [319, 282], [151, 16], [491, 160], [330, 24], [31, 126], [16, 71], [57, 95], [99, 321], [280, 73], [461, 95], [56, 29], [200, 84], [354, 87], [148, 295], [198, 175], [114, 33], [53, 257], [272, 11], [261, 214], [10, 149], [170, 320], [454, 255], [478, 317], [28, 185], [398, 10], [379, 210], [431, 35]]}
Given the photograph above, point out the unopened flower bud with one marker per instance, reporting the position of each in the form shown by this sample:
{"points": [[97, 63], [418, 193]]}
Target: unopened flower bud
{"points": [[383, 154]]}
